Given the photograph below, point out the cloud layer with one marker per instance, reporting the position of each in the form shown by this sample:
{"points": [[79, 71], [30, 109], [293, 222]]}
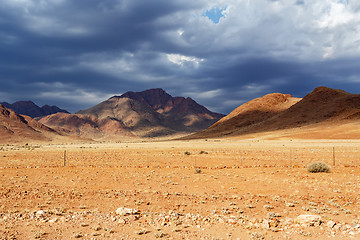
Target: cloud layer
{"points": [[222, 53]]}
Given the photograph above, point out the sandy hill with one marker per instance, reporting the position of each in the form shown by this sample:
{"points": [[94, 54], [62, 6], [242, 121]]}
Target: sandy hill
{"points": [[321, 109], [20, 128], [154, 113], [31, 109], [87, 127]]}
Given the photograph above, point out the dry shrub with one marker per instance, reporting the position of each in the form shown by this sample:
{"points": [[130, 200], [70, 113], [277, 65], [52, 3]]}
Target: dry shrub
{"points": [[317, 167]]}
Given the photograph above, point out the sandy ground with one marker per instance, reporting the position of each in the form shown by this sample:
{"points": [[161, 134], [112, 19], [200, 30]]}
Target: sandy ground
{"points": [[215, 189]]}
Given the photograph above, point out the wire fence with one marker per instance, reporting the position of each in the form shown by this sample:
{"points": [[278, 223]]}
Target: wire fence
{"points": [[242, 157]]}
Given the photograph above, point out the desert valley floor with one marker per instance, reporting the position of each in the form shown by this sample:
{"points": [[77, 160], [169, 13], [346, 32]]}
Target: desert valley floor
{"points": [[200, 189]]}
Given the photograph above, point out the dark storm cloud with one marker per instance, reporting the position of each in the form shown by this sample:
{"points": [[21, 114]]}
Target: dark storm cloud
{"points": [[77, 53]]}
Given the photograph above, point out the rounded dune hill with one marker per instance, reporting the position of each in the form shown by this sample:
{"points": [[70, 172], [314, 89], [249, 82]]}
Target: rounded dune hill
{"points": [[248, 114], [323, 113]]}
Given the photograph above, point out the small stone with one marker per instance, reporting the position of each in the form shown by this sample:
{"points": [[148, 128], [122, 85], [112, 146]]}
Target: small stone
{"points": [[159, 235], [305, 234], [330, 224], [347, 211], [305, 208], [309, 220], [268, 207], [78, 235], [122, 221], [126, 211], [54, 220], [290, 204], [97, 228], [40, 213], [265, 224], [273, 215], [141, 232]]}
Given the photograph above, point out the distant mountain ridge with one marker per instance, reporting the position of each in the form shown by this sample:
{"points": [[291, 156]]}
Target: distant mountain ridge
{"points": [[155, 113], [324, 113], [30, 109]]}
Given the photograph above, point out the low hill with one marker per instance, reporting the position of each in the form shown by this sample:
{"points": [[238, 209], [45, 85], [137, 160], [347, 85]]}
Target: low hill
{"points": [[19, 128], [249, 114], [321, 109]]}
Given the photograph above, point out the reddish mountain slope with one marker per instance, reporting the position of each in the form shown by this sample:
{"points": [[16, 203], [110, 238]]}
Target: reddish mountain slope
{"points": [[322, 108], [323, 105], [155, 113], [18, 128], [249, 114], [84, 126]]}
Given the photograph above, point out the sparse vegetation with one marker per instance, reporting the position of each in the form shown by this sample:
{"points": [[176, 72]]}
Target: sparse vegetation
{"points": [[197, 170], [187, 153], [203, 152], [317, 167]]}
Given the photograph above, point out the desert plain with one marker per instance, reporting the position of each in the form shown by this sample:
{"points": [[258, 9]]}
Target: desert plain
{"points": [[231, 188]]}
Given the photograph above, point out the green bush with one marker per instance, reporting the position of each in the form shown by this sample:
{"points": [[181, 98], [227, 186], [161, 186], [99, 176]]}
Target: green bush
{"points": [[317, 167]]}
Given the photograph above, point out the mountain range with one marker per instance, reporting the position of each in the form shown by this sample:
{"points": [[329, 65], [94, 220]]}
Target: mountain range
{"points": [[31, 109], [151, 113], [323, 113]]}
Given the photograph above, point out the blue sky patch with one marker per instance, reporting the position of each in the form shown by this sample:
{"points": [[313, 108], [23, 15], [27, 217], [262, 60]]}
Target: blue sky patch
{"points": [[215, 14]]}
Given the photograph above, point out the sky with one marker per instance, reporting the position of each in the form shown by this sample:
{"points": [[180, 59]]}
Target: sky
{"points": [[221, 53]]}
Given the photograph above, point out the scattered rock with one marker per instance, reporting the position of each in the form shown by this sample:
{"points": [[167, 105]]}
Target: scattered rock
{"points": [[273, 215], [309, 220], [268, 207], [159, 235], [126, 211], [54, 220], [330, 224], [97, 228], [40, 213], [142, 231], [78, 235]]}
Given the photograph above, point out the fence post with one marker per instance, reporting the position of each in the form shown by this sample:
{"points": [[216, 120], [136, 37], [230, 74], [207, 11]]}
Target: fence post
{"points": [[333, 156], [290, 157], [64, 158]]}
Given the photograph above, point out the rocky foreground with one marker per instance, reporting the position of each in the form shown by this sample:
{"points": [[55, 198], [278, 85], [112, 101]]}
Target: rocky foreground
{"points": [[174, 191]]}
